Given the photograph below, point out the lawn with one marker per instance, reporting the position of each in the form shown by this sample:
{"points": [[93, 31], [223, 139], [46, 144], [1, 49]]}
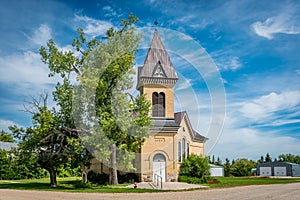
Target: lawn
{"points": [[70, 184], [224, 182], [73, 184]]}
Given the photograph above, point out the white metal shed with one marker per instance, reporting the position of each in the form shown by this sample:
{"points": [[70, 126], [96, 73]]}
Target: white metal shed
{"points": [[216, 170]]}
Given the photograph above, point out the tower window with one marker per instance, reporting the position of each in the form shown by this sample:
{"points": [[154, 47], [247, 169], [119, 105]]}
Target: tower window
{"points": [[158, 104]]}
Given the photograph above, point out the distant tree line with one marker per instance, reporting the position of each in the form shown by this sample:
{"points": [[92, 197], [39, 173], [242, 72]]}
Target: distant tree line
{"points": [[243, 166]]}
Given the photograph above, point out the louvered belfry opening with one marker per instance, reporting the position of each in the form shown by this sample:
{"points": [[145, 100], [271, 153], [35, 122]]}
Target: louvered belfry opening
{"points": [[158, 104]]}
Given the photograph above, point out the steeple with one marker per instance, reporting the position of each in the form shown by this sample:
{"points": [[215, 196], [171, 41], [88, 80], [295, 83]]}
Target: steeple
{"points": [[157, 68]]}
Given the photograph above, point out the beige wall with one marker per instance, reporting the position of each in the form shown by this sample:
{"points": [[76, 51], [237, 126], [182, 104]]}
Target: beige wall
{"points": [[167, 144], [169, 92], [159, 143], [184, 132]]}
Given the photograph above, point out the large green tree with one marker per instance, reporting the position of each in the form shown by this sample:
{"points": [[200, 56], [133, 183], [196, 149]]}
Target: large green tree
{"points": [[48, 139], [242, 167], [119, 122], [289, 158], [268, 158], [227, 167]]}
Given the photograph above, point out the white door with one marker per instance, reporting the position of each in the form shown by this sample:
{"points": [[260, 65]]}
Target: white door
{"points": [[265, 171], [279, 171], [159, 166]]}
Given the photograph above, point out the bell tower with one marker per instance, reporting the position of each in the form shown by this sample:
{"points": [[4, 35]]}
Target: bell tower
{"points": [[156, 79]]}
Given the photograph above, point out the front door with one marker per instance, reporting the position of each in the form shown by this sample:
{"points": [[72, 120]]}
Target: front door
{"points": [[159, 166]]}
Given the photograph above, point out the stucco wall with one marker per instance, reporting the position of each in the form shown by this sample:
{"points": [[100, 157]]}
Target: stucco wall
{"points": [[148, 90]]}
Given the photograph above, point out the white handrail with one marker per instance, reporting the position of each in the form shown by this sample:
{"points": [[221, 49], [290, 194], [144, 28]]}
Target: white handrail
{"points": [[157, 179]]}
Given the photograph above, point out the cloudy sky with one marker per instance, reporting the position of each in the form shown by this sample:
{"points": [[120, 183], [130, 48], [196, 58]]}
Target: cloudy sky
{"points": [[251, 47]]}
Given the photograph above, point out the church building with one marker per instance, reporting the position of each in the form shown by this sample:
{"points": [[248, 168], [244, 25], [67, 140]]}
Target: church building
{"points": [[172, 136]]}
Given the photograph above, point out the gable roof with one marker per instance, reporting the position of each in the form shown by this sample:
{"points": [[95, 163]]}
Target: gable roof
{"points": [[157, 58], [179, 117], [163, 125]]}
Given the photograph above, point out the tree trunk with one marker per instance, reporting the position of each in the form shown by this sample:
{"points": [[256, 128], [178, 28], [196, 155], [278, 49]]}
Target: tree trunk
{"points": [[83, 173], [52, 173], [84, 177], [113, 176]]}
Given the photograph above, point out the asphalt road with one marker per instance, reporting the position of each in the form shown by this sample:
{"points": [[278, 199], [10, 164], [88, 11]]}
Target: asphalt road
{"points": [[265, 192]]}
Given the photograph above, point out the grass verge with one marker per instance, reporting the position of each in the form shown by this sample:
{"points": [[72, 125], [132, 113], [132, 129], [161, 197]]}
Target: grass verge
{"points": [[70, 184], [73, 184], [225, 182]]}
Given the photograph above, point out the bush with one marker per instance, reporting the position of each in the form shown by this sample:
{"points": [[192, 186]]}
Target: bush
{"points": [[192, 180], [101, 179], [16, 164], [194, 169], [80, 184], [128, 178]]}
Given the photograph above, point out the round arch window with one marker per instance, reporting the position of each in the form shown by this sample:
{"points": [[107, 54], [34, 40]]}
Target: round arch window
{"points": [[159, 158]]}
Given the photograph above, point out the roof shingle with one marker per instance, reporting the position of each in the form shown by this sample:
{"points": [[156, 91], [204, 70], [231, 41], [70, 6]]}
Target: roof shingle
{"points": [[179, 116], [157, 59]]}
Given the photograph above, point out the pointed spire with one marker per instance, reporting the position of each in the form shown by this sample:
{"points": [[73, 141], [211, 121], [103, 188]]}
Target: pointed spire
{"points": [[156, 23], [157, 63]]}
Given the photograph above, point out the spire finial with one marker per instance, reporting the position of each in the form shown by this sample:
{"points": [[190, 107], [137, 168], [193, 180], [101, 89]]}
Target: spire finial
{"points": [[156, 23]]}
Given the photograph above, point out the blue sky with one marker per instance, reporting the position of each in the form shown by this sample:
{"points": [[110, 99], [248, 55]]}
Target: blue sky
{"points": [[254, 45]]}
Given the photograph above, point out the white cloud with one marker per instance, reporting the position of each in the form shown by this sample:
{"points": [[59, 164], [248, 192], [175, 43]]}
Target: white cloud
{"points": [[225, 61], [192, 20], [184, 84], [229, 63], [234, 63], [252, 143], [242, 138], [282, 122], [41, 35], [93, 27], [26, 68], [274, 25], [110, 12], [266, 106], [4, 124]]}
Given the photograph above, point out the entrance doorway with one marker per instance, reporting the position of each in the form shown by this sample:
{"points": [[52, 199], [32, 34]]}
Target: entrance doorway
{"points": [[159, 166]]}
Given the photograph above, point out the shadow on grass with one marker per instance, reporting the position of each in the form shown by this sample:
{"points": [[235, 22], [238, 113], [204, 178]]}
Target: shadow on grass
{"points": [[69, 186], [62, 185]]}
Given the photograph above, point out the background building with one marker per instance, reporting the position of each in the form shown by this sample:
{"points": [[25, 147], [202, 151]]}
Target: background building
{"points": [[278, 169], [216, 170]]}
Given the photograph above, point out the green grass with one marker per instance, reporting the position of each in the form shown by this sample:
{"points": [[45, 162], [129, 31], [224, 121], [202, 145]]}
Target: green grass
{"points": [[70, 184], [225, 182], [73, 184]]}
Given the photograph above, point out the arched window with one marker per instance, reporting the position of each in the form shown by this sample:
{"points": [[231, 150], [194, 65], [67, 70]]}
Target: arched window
{"points": [[159, 158], [187, 149], [179, 152], [158, 104], [154, 104], [183, 148]]}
